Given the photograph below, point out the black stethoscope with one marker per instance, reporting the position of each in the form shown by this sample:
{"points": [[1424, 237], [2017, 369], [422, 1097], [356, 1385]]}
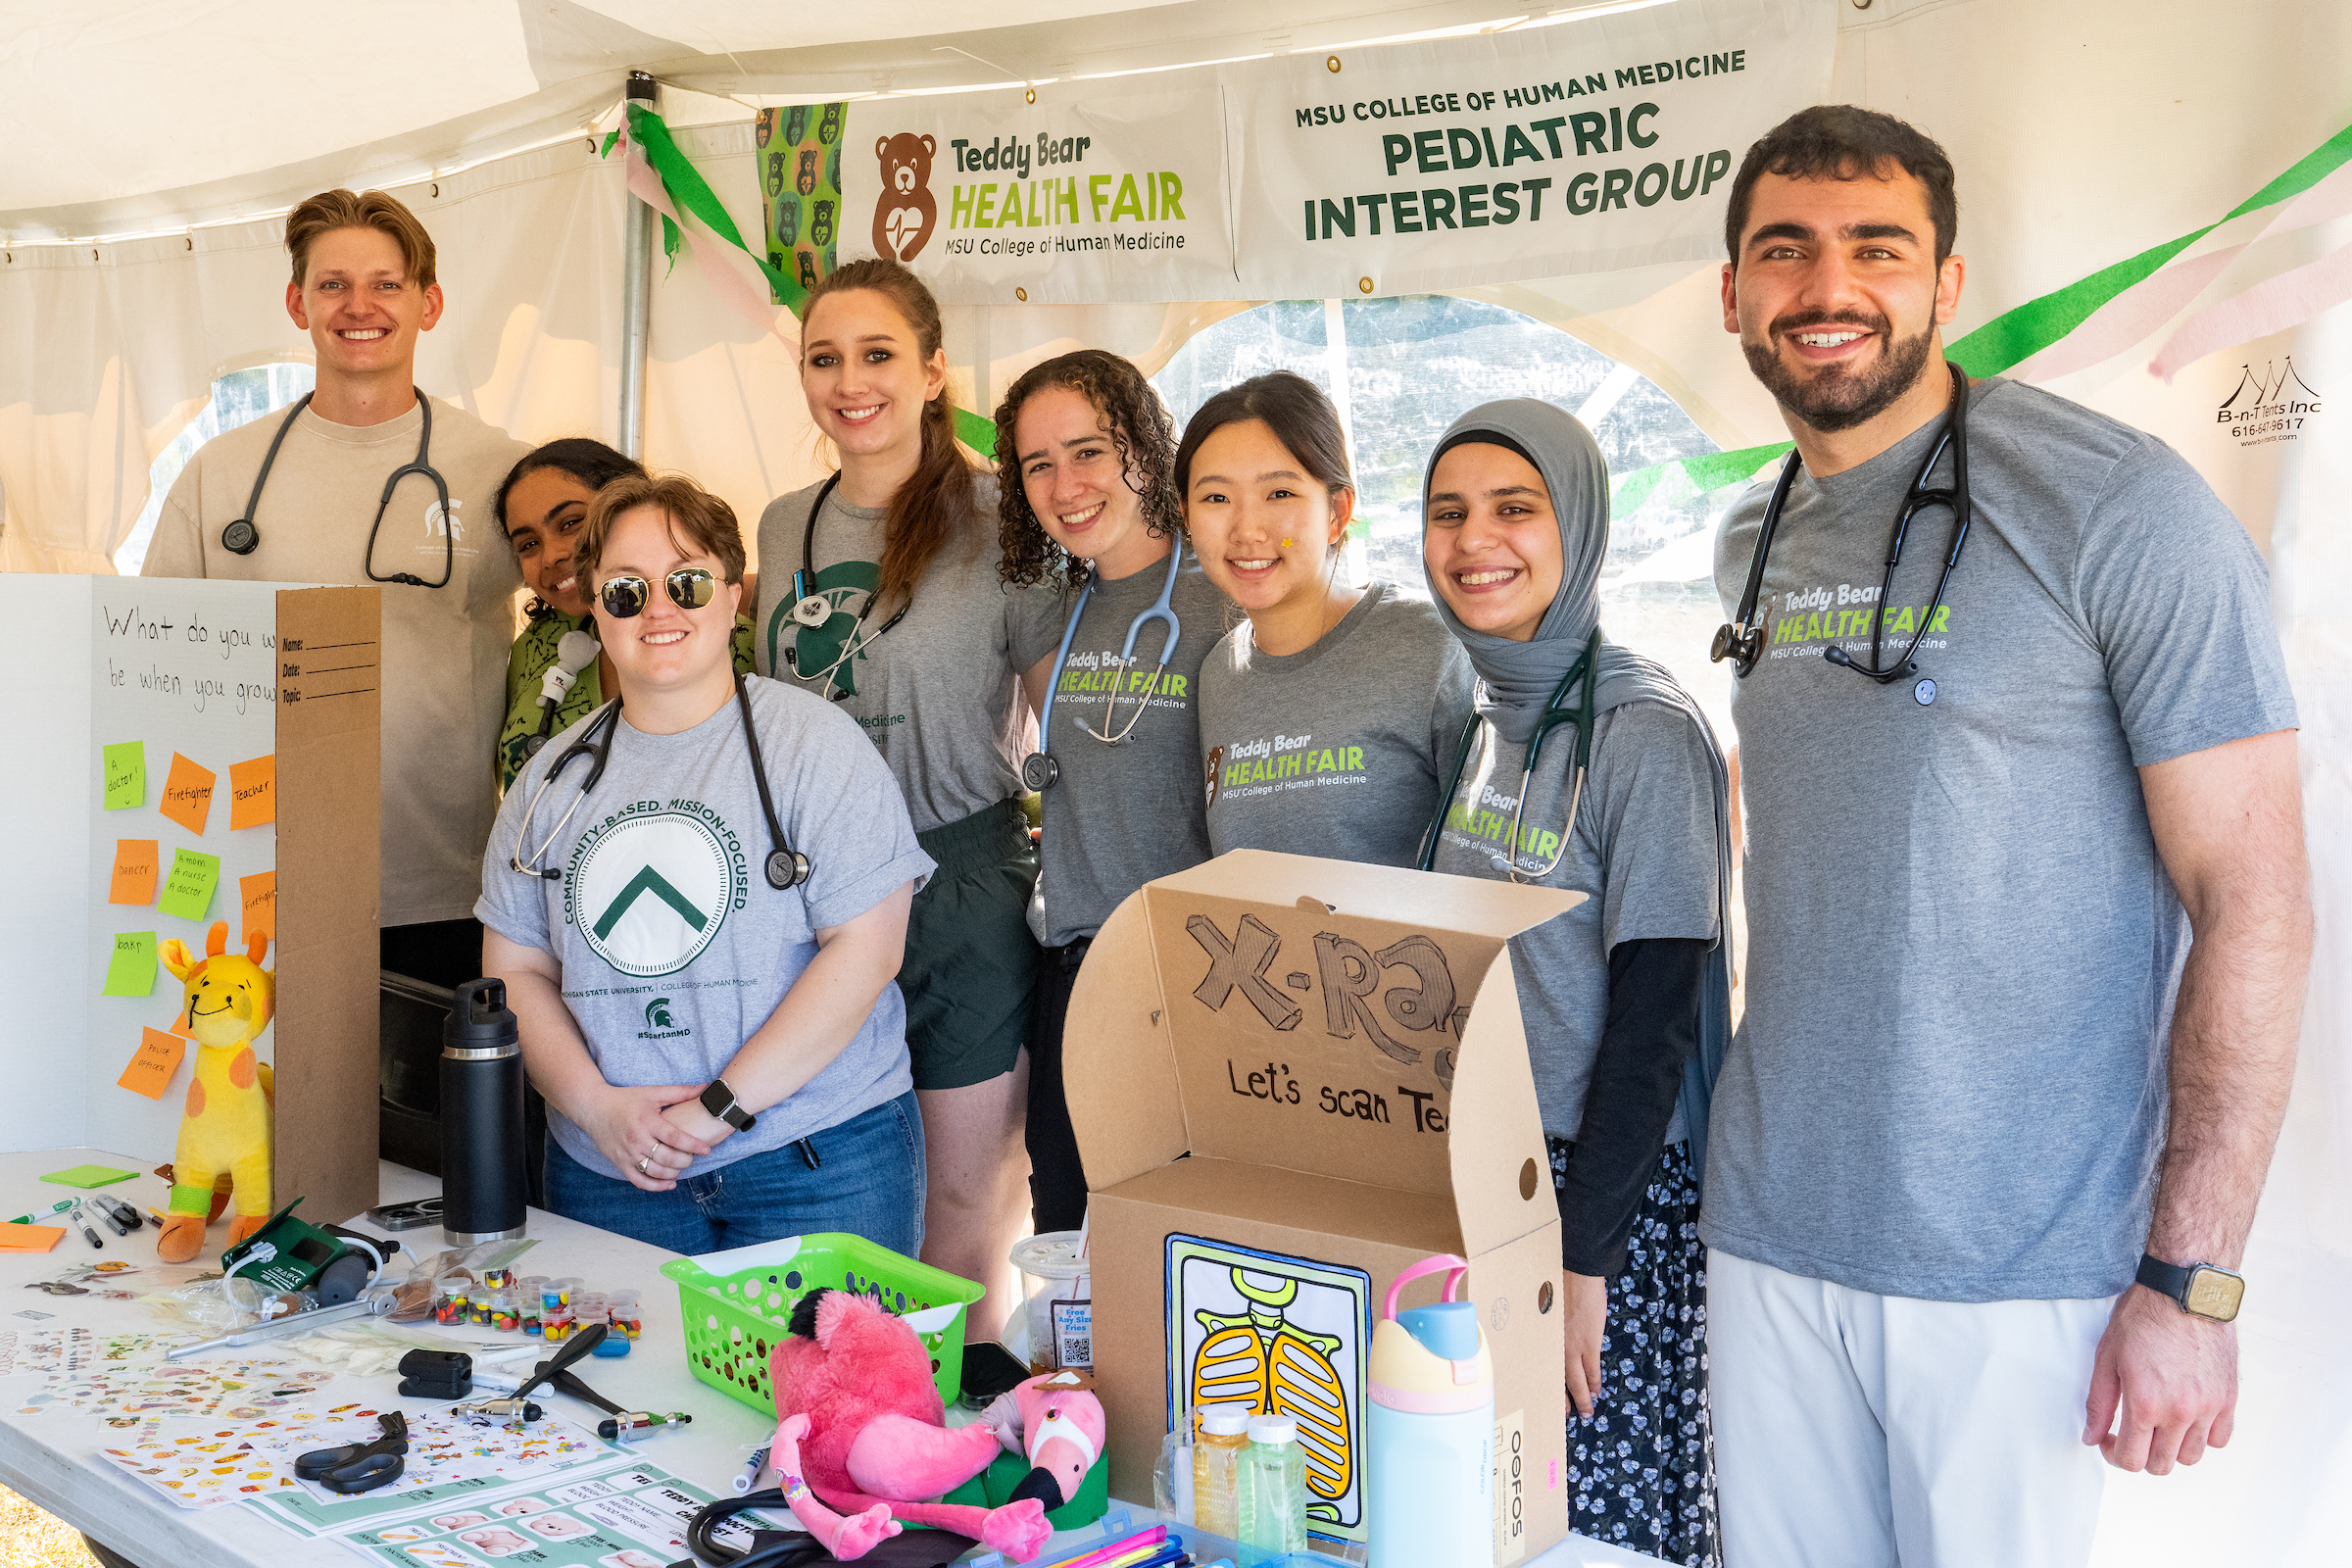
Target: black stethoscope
{"points": [[813, 609], [1742, 640], [1039, 771], [1586, 670], [786, 866], [241, 537]]}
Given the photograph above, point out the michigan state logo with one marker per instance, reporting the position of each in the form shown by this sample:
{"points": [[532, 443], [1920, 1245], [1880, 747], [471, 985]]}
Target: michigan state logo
{"points": [[815, 652], [657, 1014], [649, 894]]}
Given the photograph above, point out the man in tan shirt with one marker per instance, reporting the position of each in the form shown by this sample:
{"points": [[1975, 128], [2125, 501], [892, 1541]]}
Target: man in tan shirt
{"points": [[364, 289]]}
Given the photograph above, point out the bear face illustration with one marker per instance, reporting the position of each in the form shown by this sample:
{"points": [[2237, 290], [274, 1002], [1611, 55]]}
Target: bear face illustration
{"points": [[796, 125], [807, 268], [788, 222], [821, 227], [833, 169], [906, 213], [774, 183], [805, 182], [829, 129]]}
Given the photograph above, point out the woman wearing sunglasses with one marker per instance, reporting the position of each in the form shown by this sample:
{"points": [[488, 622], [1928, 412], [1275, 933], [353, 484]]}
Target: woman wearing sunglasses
{"points": [[696, 898], [1587, 768], [540, 509], [878, 590]]}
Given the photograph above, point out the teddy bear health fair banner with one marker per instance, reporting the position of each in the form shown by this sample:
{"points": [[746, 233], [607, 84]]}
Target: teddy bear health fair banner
{"points": [[1597, 143]]}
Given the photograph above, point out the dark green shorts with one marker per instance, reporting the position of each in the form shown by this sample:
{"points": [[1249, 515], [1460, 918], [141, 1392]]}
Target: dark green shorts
{"points": [[970, 961]]}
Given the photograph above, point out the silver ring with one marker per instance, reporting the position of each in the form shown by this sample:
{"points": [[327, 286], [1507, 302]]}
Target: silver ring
{"points": [[641, 1164]]}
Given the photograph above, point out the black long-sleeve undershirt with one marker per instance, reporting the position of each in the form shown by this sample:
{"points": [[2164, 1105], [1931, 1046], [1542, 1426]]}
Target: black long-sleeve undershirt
{"points": [[1652, 1031]]}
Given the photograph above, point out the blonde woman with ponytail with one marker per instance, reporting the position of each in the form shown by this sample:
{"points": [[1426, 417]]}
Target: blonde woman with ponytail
{"points": [[879, 590]]}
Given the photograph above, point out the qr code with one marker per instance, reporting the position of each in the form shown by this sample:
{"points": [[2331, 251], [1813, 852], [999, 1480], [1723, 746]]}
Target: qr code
{"points": [[1074, 1334]]}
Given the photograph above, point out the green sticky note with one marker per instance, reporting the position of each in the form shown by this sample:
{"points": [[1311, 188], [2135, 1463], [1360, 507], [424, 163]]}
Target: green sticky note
{"points": [[188, 888], [126, 776], [130, 972], [90, 1176]]}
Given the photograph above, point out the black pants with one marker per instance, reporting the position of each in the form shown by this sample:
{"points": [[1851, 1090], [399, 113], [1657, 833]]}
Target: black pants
{"points": [[1057, 1181]]}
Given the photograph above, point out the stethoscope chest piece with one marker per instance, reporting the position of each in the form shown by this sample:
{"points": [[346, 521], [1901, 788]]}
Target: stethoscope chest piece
{"points": [[1039, 771], [241, 537], [1924, 693], [813, 612], [787, 868]]}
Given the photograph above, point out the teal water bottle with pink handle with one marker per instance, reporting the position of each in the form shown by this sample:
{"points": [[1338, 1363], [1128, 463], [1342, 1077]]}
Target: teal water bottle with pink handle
{"points": [[1431, 1483]]}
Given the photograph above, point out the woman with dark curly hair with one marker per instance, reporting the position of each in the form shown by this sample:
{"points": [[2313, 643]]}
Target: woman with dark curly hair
{"points": [[1087, 498]]}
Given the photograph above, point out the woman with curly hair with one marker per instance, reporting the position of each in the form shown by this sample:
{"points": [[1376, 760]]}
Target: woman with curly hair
{"points": [[1087, 500], [880, 593]]}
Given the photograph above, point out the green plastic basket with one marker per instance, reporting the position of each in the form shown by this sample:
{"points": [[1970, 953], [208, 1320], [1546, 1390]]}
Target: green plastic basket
{"points": [[736, 1306]]}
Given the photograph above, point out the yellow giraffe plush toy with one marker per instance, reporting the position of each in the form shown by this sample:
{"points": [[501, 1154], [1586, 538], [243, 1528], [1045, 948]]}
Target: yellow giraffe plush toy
{"points": [[225, 1130]]}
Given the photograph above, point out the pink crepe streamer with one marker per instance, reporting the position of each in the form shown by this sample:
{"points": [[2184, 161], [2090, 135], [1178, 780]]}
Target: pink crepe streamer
{"points": [[2270, 306], [2135, 314], [737, 290]]}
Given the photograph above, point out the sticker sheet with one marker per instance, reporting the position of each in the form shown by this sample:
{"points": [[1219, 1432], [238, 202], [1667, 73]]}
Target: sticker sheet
{"points": [[123, 1391], [448, 1459], [625, 1518], [197, 1465]]}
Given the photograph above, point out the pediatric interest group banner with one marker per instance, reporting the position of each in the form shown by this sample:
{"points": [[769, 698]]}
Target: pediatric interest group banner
{"points": [[1596, 144]]}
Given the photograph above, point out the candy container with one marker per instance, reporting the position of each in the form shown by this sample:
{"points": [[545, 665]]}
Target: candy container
{"points": [[449, 1304], [504, 1313], [627, 1315], [569, 1285], [477, 1307]]}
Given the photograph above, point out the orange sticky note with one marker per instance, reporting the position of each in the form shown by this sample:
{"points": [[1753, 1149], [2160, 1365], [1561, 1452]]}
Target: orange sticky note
{"points": [[253, 792], [15, 1238], [150, 1071], [179, 1022], [258, 894], [135, 862], [188, 794]]}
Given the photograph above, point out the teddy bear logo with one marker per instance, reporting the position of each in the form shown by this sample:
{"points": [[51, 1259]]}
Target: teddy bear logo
{"points": [[796, 125], [906, 213], [788, 222], [821, 227], [1216, 767], [775, 175], [828, 128], [807, 268], [807, 182], [833, 169]]}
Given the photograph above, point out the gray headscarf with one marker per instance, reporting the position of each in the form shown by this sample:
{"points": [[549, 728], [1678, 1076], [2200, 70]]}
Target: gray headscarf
{"points": [[1516, 679]]}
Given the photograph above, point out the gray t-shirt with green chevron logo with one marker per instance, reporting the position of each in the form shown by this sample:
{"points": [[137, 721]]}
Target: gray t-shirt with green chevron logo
{"points": [[674, 948], [938, 692]]}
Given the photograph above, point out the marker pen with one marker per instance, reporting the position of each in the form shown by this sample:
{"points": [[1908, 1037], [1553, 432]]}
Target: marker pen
{"points": [[88, 1233], [38, 1215]]}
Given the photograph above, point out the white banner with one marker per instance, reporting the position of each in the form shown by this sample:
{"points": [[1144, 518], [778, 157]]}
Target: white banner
{"points": [[1581, 147], [1068, 201]]}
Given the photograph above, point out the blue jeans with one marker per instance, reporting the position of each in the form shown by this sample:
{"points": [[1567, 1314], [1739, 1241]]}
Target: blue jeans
{"points": [[868, 1180]]}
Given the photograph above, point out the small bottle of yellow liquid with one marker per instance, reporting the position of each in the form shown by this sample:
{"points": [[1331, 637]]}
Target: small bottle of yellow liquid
{"points": [[1216, 1468]]}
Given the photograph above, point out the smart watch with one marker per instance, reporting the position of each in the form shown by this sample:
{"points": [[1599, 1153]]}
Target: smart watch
{"points": [[2200, 1287], [719, 1101]]}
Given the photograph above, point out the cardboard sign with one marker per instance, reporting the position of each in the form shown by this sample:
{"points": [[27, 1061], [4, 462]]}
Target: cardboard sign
{"points": [[124, 772], [130, 972], [188, 794], [152, 1064], [253, 792], [135, 863], [188, 889], [258, 895]]}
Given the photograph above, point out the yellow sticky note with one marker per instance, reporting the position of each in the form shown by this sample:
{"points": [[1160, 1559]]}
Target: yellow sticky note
{"points": [[188, 888], [258, 895], [135, 863], [253, 792], [126, 776], [130, 972], [188, 794], [151, 1070]]}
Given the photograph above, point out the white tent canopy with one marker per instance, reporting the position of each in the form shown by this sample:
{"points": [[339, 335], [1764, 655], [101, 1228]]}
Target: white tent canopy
{"points": [[153, 146]]}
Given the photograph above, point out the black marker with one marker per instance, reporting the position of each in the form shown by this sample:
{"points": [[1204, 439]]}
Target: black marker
{"points": [[90, 1235]]}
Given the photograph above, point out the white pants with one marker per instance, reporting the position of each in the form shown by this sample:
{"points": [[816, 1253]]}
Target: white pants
{"points": [[1861, 1430]]}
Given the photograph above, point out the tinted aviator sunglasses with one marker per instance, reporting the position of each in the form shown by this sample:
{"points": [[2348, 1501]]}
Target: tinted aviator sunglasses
{"points": [[690, 588]]}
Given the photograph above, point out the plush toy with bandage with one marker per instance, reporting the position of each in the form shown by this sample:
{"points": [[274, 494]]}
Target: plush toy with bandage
{"points": [[225, 1128]]}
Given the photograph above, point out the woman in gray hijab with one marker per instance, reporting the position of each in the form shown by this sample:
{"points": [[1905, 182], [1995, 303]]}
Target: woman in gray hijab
{"points": [[1586, 767]]}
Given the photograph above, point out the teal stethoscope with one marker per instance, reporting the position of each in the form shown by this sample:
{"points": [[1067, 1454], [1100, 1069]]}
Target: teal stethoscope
{"points": [[1039, 771], [1585, 671]]}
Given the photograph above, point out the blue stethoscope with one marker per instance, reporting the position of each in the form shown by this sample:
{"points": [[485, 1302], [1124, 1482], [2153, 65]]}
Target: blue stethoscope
{"points": [[1584, 672], [1039, 771]]}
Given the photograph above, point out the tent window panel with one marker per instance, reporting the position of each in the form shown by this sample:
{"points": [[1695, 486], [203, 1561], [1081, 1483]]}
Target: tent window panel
{"points": [[239, 397]]}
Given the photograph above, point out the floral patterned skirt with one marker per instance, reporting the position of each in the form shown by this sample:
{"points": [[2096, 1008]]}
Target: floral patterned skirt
{"points": [[1642, 1467]]}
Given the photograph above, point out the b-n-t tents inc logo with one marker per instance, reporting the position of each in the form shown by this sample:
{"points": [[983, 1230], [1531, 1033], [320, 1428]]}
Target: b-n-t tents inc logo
{"points": [[2277, 405], [906, 214]]}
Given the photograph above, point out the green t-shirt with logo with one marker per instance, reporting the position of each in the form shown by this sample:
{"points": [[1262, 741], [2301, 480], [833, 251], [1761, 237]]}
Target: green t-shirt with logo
{"points": [[1337, 750], [939, 691], [673, 948]]}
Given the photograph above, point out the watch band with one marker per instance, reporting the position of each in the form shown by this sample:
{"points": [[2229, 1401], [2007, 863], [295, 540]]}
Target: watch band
{"points": [[726, 1109], [2165, 1279]]}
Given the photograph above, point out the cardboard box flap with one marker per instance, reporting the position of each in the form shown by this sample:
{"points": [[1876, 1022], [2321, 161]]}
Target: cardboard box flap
{"points": [[1118, 1064], [1316, 1013], [1471, 905], [1507, 1157]]}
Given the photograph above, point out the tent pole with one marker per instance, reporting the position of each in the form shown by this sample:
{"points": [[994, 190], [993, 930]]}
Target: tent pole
{"points": [[636, 295]]}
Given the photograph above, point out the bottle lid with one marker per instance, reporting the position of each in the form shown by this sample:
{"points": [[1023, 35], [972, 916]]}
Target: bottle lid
{"points": [[480, 1021], [1224, 1420], [1447, 1329], [1273, 1430]]}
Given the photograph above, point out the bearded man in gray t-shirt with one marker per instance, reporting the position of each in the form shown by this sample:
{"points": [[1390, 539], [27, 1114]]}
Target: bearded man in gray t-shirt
{"points": [[2027, 911]]}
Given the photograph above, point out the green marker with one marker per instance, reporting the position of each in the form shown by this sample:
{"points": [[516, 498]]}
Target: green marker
{"points": [[58, 1207]]}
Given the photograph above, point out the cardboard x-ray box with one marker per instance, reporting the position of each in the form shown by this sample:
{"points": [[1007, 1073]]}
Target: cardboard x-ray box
{"points": [[1291, 1078]]}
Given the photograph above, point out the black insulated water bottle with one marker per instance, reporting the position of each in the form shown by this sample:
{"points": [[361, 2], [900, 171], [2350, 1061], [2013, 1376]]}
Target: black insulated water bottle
{"points": [[482, 1186]]}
